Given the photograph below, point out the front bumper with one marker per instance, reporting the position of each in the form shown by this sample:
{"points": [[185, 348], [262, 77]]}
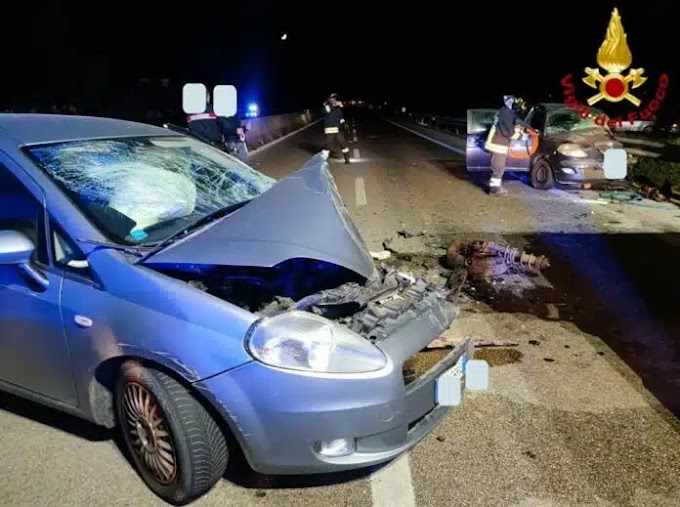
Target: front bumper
{"points": [[570, 171], [280, 416], [574, 171]]}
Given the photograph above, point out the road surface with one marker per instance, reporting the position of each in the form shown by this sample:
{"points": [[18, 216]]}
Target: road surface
{"points": [[580, 413]]}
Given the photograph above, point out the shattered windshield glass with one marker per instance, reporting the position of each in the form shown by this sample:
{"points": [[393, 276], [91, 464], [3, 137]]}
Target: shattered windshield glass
{"points": [[567, 120], [144, 189]]}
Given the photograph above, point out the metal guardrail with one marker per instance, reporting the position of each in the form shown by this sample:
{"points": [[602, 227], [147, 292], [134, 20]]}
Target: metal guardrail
{"points": [[455, 126]]}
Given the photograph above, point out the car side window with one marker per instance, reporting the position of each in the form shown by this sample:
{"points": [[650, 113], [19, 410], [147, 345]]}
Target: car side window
{"points": [[66, 253], [21, 211]]}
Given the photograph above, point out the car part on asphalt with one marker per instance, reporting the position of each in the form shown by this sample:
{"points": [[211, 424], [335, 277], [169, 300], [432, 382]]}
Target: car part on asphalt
{"points": [[485, 259]]}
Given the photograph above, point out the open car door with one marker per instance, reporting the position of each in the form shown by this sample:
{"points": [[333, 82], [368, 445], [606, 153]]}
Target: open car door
{"points": [[479, 122]]}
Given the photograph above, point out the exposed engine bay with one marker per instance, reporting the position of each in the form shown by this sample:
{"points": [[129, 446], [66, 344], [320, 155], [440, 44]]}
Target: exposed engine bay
{"points": [[373, 308]]}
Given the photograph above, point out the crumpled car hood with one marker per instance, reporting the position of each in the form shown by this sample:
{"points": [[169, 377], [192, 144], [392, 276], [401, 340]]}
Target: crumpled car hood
{"points": [[588, 137], [301, 216]]}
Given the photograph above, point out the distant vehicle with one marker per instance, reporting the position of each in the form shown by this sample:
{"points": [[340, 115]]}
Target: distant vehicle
{"points": [[644, 126], [151, 282], [570, 151]]}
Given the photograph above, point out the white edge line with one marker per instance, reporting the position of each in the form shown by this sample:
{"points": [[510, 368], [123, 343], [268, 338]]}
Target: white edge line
{"points": [[282, 138], [428, 138], [392, 486]]}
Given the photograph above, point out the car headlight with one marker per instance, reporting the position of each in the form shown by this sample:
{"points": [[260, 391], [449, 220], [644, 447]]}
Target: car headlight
{"points": [[571, 150], [299, 340]]}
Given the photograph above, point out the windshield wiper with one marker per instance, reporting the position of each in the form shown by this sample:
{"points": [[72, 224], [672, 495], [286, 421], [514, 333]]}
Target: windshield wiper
{"points": [[132, 250], [185, 231]]}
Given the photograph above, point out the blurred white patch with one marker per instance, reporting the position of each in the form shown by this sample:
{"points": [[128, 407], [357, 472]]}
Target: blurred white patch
{"points": [[224, 100], [194, 98], [615, 164]]}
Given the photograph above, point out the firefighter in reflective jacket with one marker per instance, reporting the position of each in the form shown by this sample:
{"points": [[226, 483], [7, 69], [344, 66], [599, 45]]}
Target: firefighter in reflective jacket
{"points": [[219, 131], [507, 127], [332, 123]]}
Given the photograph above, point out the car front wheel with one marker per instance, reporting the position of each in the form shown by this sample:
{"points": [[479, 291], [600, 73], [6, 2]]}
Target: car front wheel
{"points": [[177, 447], [542, 175]]}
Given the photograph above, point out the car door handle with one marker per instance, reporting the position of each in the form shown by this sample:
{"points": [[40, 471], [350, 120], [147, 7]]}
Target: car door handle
{"points": [[82, 321]]}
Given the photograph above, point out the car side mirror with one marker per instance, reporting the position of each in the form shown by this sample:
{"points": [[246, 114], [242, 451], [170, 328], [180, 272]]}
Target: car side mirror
{"points": [[17, 250]]}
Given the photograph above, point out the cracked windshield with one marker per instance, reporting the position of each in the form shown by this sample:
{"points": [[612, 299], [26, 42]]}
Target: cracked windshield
{"points": [[144, 190], [416, 259]]}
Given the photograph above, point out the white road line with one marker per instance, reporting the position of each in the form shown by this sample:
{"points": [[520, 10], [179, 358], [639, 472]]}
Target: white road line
{"points": [[355, 138], [356, 153], [392, 485], [460, 151], [360, 191], [282, 138]]}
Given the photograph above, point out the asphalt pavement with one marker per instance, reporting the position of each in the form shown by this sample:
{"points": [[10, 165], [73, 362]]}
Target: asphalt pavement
{"points": [[582, 412]]}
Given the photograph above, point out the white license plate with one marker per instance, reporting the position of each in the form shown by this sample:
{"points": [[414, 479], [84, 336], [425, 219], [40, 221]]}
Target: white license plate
{"points": [[449, 386]]}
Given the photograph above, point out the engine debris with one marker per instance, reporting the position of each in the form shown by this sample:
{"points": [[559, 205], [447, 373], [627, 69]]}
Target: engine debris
{"points": [[484, 259]]}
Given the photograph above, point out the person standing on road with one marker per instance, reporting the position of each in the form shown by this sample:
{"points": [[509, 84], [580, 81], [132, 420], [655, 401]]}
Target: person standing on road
{"points": [[506, 128], [223, 133], [334, 119]]}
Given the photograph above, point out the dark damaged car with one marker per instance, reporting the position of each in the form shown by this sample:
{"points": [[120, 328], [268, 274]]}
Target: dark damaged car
{"points": [[571, 149], [150, 281]]}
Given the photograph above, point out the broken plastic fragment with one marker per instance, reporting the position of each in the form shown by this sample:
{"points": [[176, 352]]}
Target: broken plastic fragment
{"points": [[382, 255]]}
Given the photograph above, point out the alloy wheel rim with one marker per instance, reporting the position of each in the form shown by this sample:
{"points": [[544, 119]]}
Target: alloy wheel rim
{"points": [[148, 433]]}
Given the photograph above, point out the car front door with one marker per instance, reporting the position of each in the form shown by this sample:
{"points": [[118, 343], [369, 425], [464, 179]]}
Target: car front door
{"points": [[34, 354], [479, 122]]}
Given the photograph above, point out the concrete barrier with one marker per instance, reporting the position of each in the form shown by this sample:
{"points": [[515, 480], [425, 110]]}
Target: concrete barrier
{"points": [[267, 129]]}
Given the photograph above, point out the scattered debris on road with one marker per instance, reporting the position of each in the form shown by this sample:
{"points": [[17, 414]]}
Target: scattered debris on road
{"points": [[381, 255], [487, 259], [444, 342], [499, 356], [414, 243]]}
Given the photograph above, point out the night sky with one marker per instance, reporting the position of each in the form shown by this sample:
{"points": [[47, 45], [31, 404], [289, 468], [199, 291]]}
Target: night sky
{"points": [[425, 60]]}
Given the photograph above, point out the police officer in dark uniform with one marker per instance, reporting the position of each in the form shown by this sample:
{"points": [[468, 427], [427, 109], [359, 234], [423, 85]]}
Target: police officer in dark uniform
{"points": [[219, 131], [506, 128], [333, 121]]}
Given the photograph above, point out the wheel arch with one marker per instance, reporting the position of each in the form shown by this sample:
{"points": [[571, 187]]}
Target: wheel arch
{"points": [[101, 386]]}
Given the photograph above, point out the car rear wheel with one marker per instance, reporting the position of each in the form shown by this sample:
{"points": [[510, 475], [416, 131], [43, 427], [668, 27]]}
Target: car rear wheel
{"points": [[542, 175], [177, 447]]}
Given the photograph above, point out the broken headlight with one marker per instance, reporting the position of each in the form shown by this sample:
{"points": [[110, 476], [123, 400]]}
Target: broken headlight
{"points": [[302, 341]]}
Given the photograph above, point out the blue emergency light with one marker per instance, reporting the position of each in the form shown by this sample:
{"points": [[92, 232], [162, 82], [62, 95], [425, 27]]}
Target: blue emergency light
{"points": [[252, 110]]}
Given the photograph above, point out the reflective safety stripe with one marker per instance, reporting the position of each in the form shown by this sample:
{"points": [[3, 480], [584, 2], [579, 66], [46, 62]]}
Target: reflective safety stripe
{"points": [[345, 150], [495, 182], [342, 120], [201, 116], [331, 130]]}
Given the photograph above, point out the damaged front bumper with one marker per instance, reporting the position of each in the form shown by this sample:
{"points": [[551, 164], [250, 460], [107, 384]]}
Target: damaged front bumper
{"points": [[292, 422]]}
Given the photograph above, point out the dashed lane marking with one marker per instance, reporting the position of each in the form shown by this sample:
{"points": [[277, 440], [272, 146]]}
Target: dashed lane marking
{"points": [[357, 154], [360, 191]]}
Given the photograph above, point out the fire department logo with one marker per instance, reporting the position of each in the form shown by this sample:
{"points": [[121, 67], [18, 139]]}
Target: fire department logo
{"points": [[614, 56], [614, 84]]}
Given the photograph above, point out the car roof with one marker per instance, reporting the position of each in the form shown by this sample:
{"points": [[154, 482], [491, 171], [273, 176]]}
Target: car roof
{"points": [[27, 128]]}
